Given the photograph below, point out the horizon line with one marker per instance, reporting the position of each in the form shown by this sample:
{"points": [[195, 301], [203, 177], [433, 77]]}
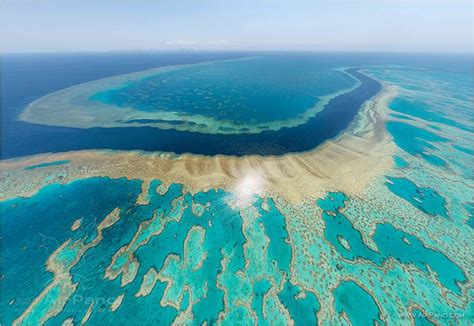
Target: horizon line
{"points": [[238, 50]]}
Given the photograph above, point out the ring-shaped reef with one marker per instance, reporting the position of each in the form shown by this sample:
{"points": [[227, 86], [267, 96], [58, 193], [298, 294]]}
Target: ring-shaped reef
{"points": [[267, 105]]}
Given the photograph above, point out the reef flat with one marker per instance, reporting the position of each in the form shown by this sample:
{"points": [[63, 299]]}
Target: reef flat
{"points": [[365, 147], [373, 226]]}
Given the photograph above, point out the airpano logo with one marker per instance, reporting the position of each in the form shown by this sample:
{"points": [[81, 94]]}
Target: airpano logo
{"points": [[433, 315], [79, 299]]}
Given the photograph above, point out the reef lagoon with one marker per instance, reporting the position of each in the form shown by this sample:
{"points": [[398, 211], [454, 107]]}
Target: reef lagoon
{"points": [[237, 188]]}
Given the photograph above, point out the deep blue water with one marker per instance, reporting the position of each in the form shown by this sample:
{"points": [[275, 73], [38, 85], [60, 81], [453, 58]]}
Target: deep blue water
{"points": [[27, 77]]}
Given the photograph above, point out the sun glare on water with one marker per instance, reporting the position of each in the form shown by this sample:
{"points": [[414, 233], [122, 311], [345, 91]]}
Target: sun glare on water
{"points": [[247, 189]]}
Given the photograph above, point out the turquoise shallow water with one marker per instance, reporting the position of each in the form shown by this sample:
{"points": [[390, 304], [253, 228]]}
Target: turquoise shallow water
{"points": [[426, 199], [193, 241], [390, 242], [416, 141], [34, 227], [425, 111], [359, 306], [173, 214], [399, 162], [396, 253]]}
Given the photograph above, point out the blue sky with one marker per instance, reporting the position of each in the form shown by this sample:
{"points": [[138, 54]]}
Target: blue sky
{"points": [[364, 25]]}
